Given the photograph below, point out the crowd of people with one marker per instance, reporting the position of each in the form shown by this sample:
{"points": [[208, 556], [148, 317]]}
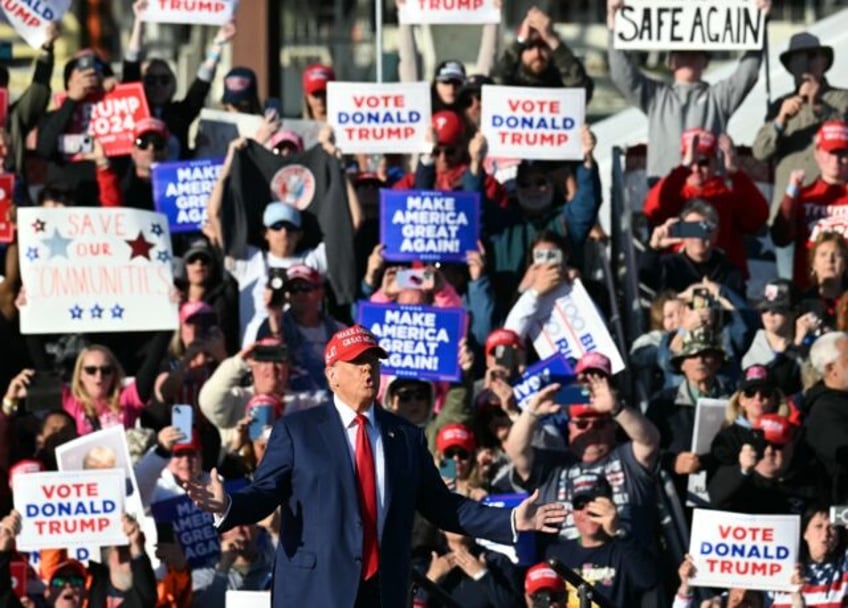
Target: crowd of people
{"points": [[255, 323]]}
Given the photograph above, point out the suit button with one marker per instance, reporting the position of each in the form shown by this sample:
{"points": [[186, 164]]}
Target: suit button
{"points": [[358, 560], [359, 523]]}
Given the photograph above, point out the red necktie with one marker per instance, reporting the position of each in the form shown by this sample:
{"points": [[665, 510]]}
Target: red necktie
{"points": [[367, 490]]}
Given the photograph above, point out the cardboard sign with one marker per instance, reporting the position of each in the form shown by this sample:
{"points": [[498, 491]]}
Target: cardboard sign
{"points": [[422, 341], [465, 12], [431, 226], [248, 599], [533, 123], [539, 375], [93, 269], [679, 25], [709, 416], [735, 550], [523, 552], [31, 19], [181, 191], [370, 118], [202, 12], [7, 187], [575, 327], [18, 573], [70, 508], [217, 129]]}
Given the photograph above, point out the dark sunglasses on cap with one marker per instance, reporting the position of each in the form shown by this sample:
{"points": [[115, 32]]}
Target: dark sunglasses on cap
{"points": [[277, 226], [74, 580], [160, 79], [591, 423], [105, 370], [412, 394], [765, 393], [146, 139], [452, 453]]}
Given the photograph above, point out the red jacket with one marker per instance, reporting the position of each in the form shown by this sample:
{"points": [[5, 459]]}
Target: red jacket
{"points": [[741, 207]]}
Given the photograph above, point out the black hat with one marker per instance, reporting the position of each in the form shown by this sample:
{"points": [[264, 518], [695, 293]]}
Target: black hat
{"points": [[779, 295], [450, 70], [587, 487]]}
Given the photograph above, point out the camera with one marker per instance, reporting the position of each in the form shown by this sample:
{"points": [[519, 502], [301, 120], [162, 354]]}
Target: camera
{"points": [[276, 283]]}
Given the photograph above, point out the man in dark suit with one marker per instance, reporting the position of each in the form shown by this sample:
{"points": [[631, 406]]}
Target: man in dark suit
{"points": [[349, 476]]}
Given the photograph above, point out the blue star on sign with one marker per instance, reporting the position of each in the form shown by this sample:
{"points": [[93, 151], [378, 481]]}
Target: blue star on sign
{"points": [[76, 311], [117, 311], [156, 229], [57, 244], [96, 312], [163, 256], [32, 253]]}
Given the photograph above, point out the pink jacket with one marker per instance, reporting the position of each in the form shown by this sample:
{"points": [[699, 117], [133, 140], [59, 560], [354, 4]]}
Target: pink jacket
{"points": [[131, 406]]}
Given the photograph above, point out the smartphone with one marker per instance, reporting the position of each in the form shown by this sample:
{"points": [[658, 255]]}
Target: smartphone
{"points": [[413, 278], [573, 394], [260, 417], [273, 108], [276, 282], [86, 62], [551, 257], [44, 393], [505, 357], [701, 298], [76, 143], [274, 353], [447, 469], [165, 533], [690, 230], [182, 417]]}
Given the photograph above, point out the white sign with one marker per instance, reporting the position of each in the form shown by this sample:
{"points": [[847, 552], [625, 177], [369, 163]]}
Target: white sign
{"points": [[63, 509], [369, 118], [31, 19], [203, 12], [699, 25], [709, 416], [95, 269], [248, 599], [461, 12], [575, 327], [218, 128], [533, 123], [735, 550]]}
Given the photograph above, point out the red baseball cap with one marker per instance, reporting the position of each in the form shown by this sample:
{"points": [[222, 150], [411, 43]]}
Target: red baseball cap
{"points": [[707, 142], [304, 273], [192, 445], [347, 344], [594, 360], [502, 337], [23, 467], [266, 399], [583, 410], [455, 435], [776, 428], [542, 577], [150, 125], [448, 128], [833, 136], [316, 77]]}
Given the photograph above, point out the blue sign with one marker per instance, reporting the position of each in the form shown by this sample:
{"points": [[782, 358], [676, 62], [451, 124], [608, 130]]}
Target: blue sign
{"points": [[422, 342], [429, 226], [525, 547], [181, 191], [539, 375]]}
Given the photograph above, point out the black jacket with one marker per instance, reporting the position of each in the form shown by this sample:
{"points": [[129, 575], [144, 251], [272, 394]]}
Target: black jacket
{"points": [[826, 434], [677, 271], [564, 70]]}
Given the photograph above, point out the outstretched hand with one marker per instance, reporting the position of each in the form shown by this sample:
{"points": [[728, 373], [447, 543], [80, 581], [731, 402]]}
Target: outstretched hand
{"points": [[530, 516], [209, 497]]}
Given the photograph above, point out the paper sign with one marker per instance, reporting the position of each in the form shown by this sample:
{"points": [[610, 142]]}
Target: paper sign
{"points": [[539, 375], [422, 341], [70, 508], [31, 19], [203, 12], [7, 187], [248, 599], [735, 550], [111, 118], [431, 226], [679, 25], [218, 128], [709, 416], [523, 552], [18, 572], [370, 118], [93, 269], [181, 191], [533, 123], [575, 327], [466, 12]]}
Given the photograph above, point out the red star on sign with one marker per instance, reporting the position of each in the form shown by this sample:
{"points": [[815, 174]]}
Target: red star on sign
{"points": [[38, 225], [140, 246]]}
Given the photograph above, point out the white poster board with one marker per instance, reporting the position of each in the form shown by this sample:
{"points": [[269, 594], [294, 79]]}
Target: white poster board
{"points": [[201, 12], [248, 599], [679, 25], [372, 118], [95, 269], [533, 123], [218, 128], [709, 416], [446, 12], [31, 19]]}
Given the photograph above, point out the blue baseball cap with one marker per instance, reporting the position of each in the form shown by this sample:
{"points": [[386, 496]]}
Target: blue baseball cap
{"points": [[280, 212], [239, 86]]}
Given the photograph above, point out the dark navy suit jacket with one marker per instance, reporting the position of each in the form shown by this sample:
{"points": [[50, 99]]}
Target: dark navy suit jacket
{"points": [[307, 470]]}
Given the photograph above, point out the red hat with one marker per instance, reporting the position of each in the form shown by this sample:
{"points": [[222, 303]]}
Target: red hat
{"points": [[707, 142], [304, 273], [150, 125], [283, 136], [316, 77], [455, 435], [776, 428], [833, 136], [23, 467], [542, 577], [266, 399], [193, 445], [594, 360], [192, 309], [583, 410], [448, 126], [502, 337], [347, 344], [69, 564]]}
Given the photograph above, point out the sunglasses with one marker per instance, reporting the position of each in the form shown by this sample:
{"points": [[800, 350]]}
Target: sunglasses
{"points": [[105, 370], [144, 142], [596, 424], [703, 162], [765, 393], [301, 288], [545, 598], [405, 396], [202, 259], [449, 151], [160, 79], [74, 580], [277, 226], [452, 453]]}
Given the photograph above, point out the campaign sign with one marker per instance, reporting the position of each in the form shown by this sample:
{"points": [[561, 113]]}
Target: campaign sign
{"points": [[679, 25], [31, 19], [735, 550], [248, 599], [18, 573], [65, 508], [218, 128], [431, 226], [181, 191], [372, 118], [204, 12], [7, 228], [463, 12], [422, 341], [575, 327], [709, 416], [111, 118], [94, 269], [523, 552], [539, 375], [533, 123]]}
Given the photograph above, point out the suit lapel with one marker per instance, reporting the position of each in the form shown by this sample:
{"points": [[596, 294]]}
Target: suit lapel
{"points": [[392, 452], [336, 447]]}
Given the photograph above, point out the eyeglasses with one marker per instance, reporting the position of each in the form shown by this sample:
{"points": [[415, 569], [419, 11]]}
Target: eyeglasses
{"points": [[202, 259], [277, 226], [449, 151], [105, 370], [765, 393], [160, 79], [545, 598], [596, 424], [415, 394], [452, 453], [74, 580], [143, 142], [301, 288]]}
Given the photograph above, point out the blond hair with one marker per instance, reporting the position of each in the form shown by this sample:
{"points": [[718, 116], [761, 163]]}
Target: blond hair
{"points": [[734, 408], [113, 399]]}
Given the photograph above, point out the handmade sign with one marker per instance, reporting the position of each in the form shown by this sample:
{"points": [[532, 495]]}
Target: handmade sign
{"points": [[533, 123], [422, 342], [30, 19], [7, 187], [539, 375], [735, 550], [575, 327], [218, 128], [70, 508], [679, 25], [369, 118], [464, 12], [202, 12], [95, 269], [431, 226], [111, 118], [181, 191], [709, 416]]}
